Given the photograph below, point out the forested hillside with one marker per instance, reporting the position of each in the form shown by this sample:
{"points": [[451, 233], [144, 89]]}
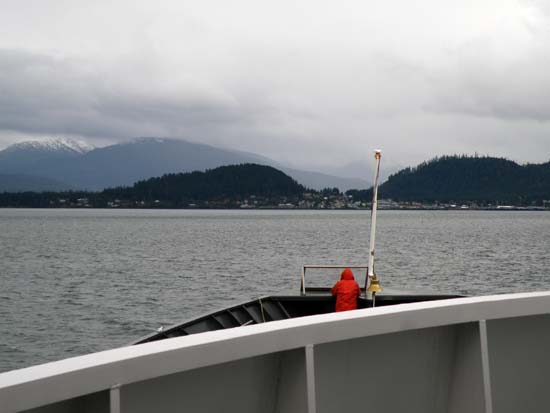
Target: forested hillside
{"points": [[233, 181], [226, 186], [467, 178]]}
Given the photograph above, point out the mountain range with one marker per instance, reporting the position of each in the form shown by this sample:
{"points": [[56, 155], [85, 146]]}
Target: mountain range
{"points": [[62, 164], [472, 180]]}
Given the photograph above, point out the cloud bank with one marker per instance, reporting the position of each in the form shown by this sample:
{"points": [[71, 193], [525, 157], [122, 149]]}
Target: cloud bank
{"points": [[314, 83]]}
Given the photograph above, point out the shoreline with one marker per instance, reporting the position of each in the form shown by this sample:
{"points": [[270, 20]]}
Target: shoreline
{"points": [[275, 208]]}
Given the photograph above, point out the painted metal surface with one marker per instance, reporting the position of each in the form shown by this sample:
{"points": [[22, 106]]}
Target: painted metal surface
{"points": [[114, 399], [425, 357], [377, 157], [310, 379], [485, 366], [273, 308], [519, 363]]}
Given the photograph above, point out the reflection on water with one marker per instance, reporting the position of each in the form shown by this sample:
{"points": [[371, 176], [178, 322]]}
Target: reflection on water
{"points": [[77, 281]]}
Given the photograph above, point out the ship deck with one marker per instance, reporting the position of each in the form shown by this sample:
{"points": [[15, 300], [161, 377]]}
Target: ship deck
{"points": [[474, 354], [273, 308]]}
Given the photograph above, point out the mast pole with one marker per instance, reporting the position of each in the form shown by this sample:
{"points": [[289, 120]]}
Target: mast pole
{"points": [[374, 285]]}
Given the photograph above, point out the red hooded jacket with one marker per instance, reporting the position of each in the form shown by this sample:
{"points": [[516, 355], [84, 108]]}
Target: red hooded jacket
{"points": [[346, 291]]}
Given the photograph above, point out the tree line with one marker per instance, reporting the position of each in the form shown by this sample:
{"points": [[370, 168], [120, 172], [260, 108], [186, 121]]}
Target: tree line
{"points": [[222, 184], [447, 179], [470, 179]]}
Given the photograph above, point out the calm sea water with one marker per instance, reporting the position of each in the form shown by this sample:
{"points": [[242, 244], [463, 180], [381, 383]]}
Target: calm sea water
{"points": [[78, 281]]}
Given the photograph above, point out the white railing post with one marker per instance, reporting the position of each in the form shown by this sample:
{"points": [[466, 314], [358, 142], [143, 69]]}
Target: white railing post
{"points": [[485, 366], [310, 379], [114, 399]]}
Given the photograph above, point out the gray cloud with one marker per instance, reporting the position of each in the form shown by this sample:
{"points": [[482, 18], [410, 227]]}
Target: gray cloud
{"points": [[312, 84], [499, 76], [486, 87], [43, 94]]}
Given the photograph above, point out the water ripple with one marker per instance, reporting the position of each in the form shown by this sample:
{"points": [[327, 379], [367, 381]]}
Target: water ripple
{"points": [[76, 281]]}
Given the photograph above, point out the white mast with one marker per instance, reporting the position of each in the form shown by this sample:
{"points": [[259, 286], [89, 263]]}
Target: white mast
{"points": [[374, 285]]}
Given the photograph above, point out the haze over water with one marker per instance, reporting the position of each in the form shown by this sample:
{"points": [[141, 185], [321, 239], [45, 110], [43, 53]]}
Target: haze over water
{"points": [[78, 281]]}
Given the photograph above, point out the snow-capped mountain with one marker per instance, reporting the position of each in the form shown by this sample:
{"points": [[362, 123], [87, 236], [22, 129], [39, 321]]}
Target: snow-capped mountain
{"points": [[29, 157], [51, 145], [70, 163]]}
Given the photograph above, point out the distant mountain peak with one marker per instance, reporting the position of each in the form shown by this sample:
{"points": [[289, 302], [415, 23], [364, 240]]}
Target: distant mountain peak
{"points": [[150, 140], [72, 162], [52, 145]]}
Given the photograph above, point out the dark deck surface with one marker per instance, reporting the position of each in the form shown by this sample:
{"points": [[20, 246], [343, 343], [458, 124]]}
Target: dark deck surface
{"points": [[271, 308]]}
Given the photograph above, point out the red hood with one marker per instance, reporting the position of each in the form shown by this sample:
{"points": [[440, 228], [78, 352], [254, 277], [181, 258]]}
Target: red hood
{"points": [[347, 275]]}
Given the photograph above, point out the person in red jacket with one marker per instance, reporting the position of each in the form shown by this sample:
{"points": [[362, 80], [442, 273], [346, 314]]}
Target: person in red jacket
{"points": [[346, 291]]}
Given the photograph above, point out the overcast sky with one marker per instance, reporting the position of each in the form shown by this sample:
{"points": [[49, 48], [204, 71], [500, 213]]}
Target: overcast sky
{"points": [[307, 82]]}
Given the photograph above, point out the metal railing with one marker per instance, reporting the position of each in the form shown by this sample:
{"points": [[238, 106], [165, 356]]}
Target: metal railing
{"points": [[351, 267]]}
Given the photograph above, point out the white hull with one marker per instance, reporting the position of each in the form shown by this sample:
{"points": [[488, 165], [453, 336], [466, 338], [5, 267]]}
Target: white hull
{"points": [[480, 354]]}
